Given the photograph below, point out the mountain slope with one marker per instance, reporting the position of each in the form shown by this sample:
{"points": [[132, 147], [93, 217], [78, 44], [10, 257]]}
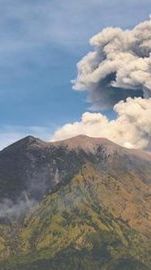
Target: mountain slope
{"points": [[97, 216], [74, 221], [32, 166]]}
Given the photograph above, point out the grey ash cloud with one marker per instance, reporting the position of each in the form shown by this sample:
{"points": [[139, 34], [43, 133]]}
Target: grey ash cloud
{"points": [[118, 67]]}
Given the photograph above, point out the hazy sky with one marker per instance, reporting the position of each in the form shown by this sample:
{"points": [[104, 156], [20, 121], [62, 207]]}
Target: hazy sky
{"points": [[40, 43]]}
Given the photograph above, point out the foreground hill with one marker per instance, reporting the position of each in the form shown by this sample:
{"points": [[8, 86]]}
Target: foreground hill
{"points": [[90, 209]]}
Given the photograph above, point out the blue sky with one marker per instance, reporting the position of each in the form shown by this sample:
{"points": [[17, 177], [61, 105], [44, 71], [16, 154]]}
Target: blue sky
{"points": [[40, 43]]}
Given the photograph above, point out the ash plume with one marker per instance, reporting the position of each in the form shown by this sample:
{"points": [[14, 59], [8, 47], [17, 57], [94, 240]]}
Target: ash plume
{"points": [[116, 75], [118, 67]]}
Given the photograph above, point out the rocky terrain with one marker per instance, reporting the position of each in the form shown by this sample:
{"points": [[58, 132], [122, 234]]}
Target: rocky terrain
{"points": [[83, 203]]}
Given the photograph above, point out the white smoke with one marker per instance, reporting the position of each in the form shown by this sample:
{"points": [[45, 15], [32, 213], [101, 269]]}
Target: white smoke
{"points": [[131, 128], [12, 210]]}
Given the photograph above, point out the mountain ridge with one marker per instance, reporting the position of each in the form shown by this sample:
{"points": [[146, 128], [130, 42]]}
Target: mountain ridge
{"points": [[32, 163], [75, 141]]}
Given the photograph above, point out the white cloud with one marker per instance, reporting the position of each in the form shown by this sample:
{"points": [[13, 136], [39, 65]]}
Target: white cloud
{"points": [[131, 128]]}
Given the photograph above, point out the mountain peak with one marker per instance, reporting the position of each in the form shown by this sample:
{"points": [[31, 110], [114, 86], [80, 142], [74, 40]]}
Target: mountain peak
{"points": [[25, 142], [85, 143], [30, 139]]}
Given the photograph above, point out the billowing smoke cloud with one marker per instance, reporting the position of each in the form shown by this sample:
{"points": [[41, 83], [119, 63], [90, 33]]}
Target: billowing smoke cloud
{"points": [[131, 128], [116, 74], [118, 67]]}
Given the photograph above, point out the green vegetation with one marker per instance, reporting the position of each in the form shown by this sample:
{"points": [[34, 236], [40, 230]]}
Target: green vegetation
{"points": [[71, 229]]}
